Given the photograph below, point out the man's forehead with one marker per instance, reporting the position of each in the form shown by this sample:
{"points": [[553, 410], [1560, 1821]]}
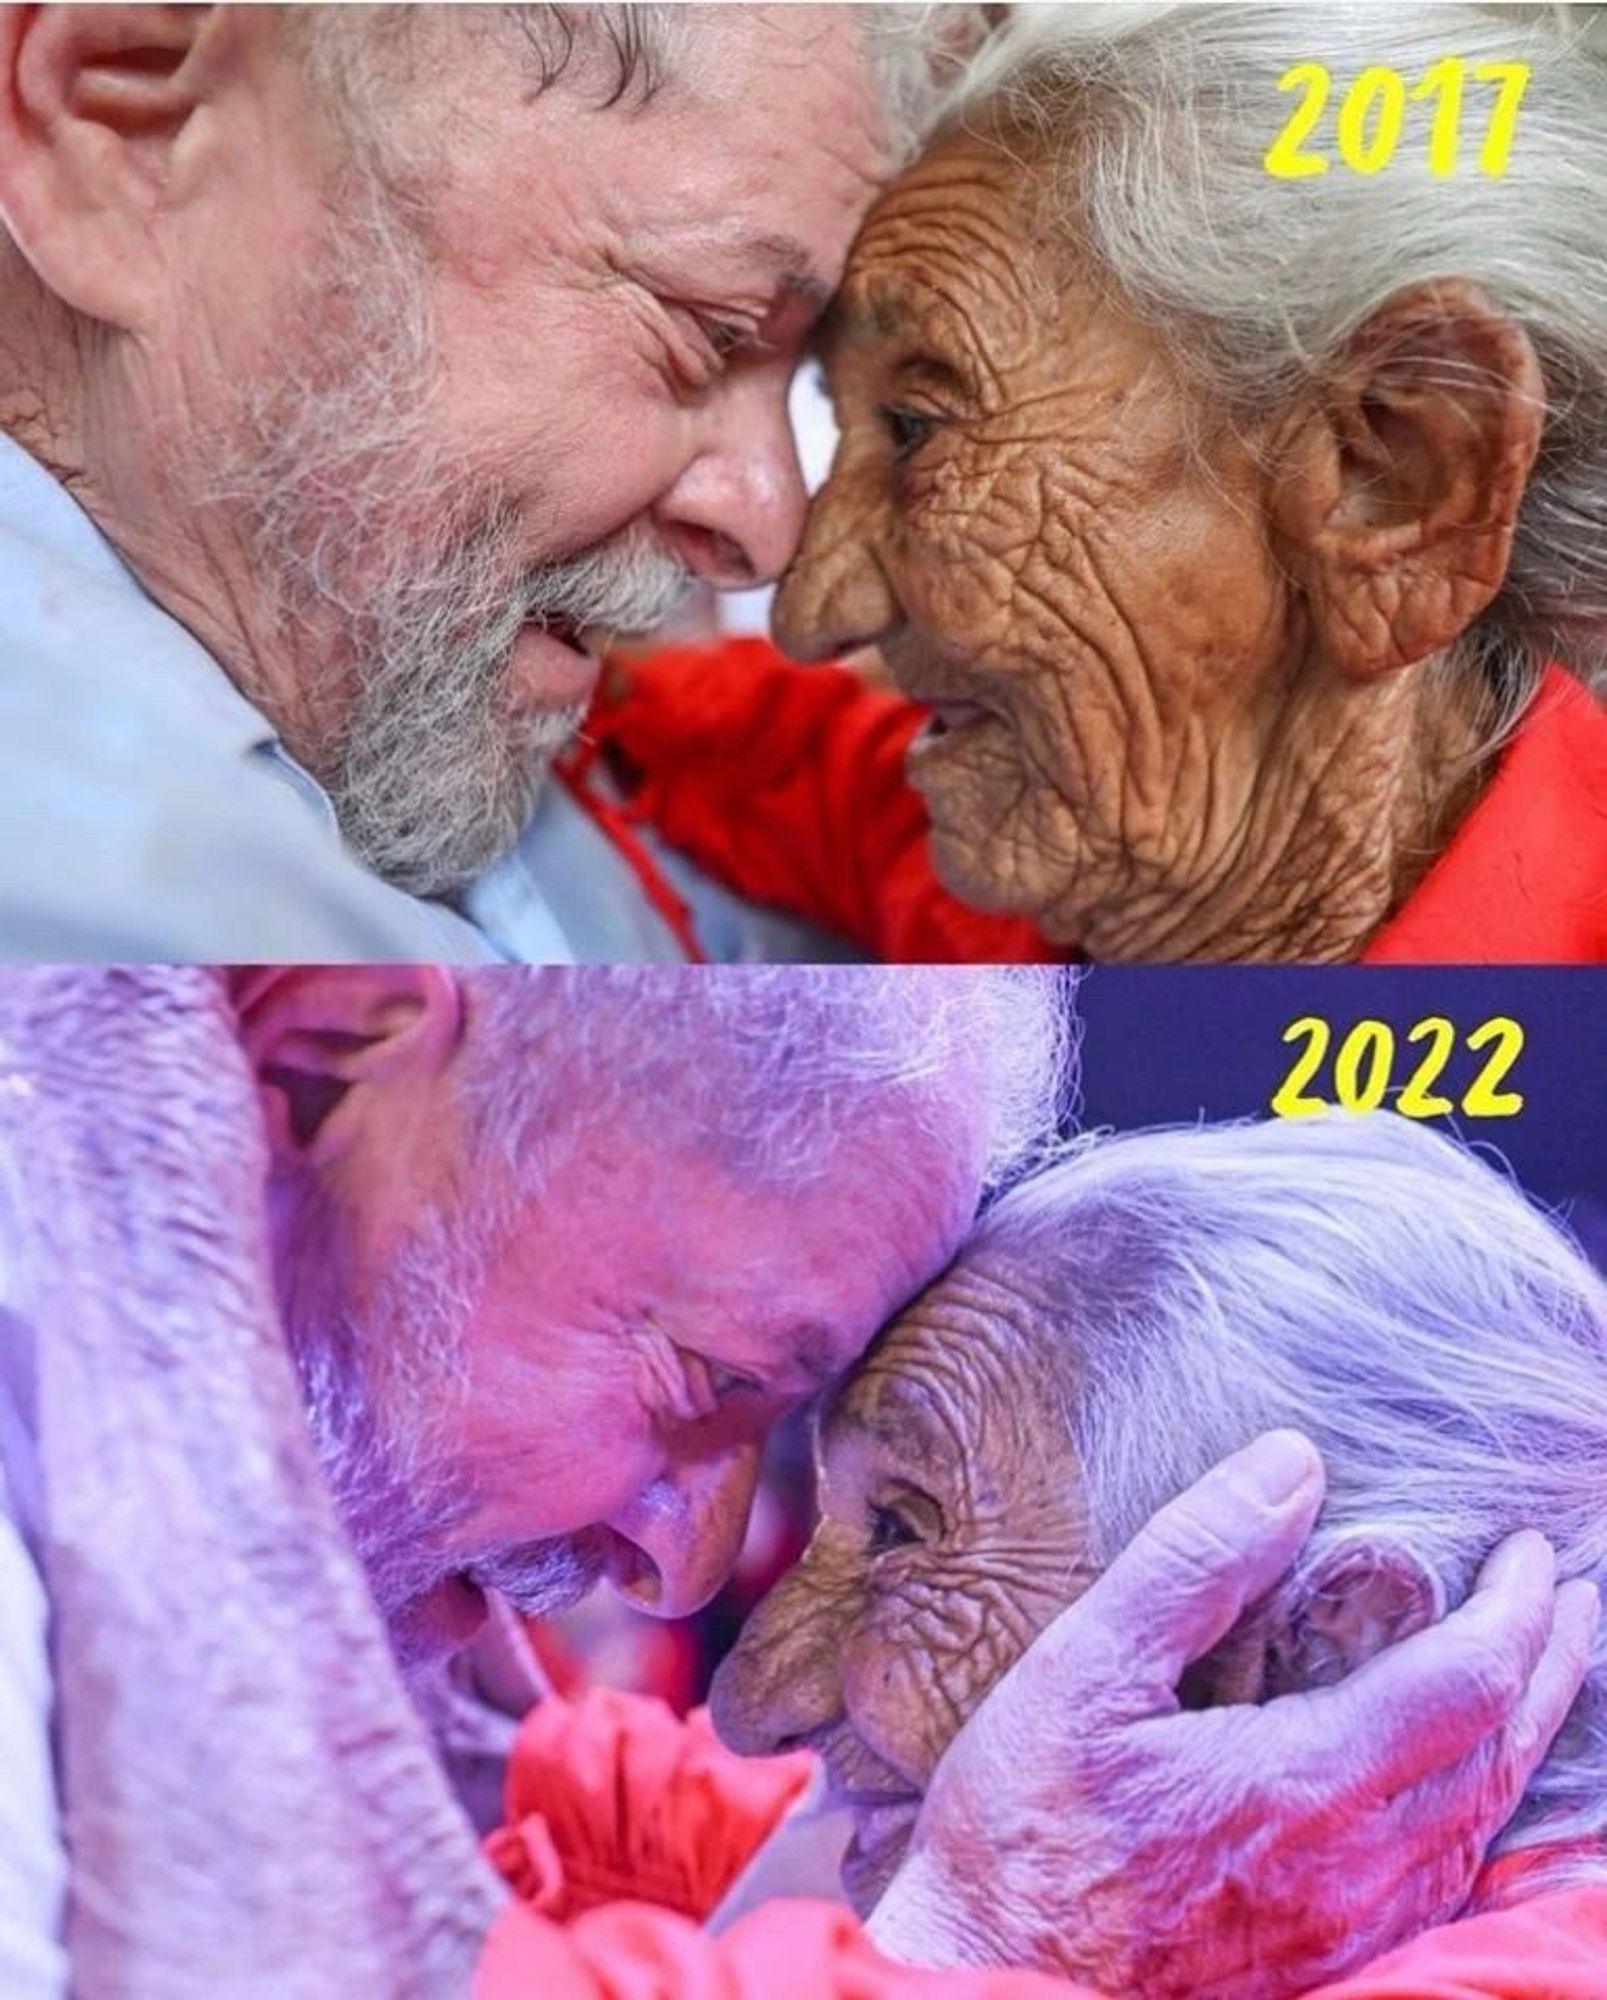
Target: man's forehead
{"points": [[785, 86], [819, 1354]]}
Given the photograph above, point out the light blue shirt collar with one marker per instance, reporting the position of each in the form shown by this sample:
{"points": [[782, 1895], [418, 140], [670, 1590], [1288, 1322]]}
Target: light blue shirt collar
{"points": [[37, 508]]}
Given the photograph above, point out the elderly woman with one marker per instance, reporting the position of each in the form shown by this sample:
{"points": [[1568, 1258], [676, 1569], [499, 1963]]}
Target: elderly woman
{"points": [[1237, 542], [1116, 1323]]}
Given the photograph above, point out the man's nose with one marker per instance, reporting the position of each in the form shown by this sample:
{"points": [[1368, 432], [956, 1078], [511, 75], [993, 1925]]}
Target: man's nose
{"points": [[836, 596], [735, 514], [687, 1527]]}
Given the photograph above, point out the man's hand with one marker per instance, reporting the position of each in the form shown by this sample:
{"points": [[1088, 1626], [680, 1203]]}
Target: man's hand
{"points": [[1081, 1821]]}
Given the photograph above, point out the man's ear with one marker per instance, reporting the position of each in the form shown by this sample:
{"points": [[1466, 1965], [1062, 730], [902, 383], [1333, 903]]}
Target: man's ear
{"points": [[1361, 1597], [1396, 498], [319, 1037], [95, 106]]}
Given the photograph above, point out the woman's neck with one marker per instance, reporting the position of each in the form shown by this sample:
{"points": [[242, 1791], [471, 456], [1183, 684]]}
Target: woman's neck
{"points": [[1345, 797]]}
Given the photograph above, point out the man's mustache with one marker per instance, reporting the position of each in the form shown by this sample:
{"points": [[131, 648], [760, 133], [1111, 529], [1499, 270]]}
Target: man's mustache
{"points": [[537, 1578], [628, 584]]}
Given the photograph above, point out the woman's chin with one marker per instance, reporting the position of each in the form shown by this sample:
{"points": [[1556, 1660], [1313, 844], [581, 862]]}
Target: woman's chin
{"points": [[960, 863], [872, 1858]]}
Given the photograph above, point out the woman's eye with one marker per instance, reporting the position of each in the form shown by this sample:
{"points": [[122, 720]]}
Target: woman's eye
{"points": [[889, 1530], [908, 429]]}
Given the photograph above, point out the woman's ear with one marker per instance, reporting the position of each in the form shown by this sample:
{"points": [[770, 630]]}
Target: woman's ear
{"points": [[95, 103], [1396, 496], [323, 1040], [1361, 1597]]}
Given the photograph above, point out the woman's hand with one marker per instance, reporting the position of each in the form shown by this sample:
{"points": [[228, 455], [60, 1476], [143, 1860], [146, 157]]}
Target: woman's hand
{"points": [[1080, 1821]]}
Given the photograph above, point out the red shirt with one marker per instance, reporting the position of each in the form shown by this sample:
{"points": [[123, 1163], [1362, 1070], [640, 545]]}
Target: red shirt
{"points": [[626, 1825], [787, 784], [1524, 878]]}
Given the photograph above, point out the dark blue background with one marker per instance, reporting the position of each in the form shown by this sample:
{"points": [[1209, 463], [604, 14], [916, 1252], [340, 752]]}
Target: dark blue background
{"points": [[1163, 1044]]}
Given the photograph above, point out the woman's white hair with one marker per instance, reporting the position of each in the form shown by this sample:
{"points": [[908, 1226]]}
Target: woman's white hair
{"points": [[1153, 121], [1442, 1341]]}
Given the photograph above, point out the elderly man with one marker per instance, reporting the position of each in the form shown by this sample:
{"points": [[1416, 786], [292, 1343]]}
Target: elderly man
{"points": [[493, 1283], [355, 366]]}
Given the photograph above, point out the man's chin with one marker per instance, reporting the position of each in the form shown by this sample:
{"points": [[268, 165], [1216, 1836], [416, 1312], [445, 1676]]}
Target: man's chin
{"points": [[485, 821]]}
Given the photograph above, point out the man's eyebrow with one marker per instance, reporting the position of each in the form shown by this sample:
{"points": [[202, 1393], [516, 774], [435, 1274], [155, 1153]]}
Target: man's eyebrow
{"points": [[815, 1355], [794, 266], [882, 316]]}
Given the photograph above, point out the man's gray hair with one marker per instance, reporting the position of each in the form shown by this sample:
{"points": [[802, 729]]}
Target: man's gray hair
{"points": [[1442, 1341], [767, 1068], [1154, 120], [364, 57]]}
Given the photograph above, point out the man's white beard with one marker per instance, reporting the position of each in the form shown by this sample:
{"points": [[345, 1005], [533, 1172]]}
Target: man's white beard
{"points": [[440, 767], [383, 1384], [400, 577]]}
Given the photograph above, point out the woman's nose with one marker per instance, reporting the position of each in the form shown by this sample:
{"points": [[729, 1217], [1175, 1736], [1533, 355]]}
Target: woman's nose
{"points": [[685, 1532], [779, 1683], [835, 595]]}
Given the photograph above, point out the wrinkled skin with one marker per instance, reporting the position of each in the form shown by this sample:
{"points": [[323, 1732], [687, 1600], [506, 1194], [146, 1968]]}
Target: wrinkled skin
{"points": [[952, 1529], [1179, 707], [1083, 1823]]}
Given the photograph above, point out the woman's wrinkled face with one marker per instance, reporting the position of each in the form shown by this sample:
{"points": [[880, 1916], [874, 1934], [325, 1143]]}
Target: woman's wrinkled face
{"points": [[1094, 611], [952, 1529]]}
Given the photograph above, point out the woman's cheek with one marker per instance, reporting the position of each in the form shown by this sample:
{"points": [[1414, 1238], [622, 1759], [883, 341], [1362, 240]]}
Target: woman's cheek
{"points": [[894, 1690]]}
